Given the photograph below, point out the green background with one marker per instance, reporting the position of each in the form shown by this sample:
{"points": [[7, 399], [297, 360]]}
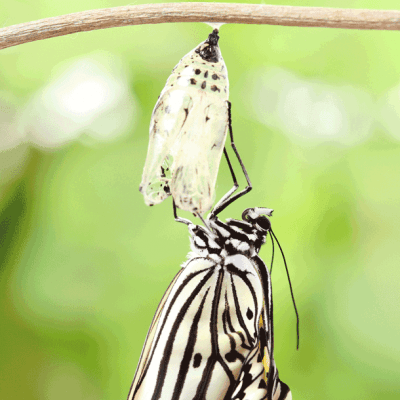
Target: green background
{"points": [[84, 262]]}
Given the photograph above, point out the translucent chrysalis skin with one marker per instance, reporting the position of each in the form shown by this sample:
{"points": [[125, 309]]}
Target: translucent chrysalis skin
{"points": [[212, 335], [188, 130]]}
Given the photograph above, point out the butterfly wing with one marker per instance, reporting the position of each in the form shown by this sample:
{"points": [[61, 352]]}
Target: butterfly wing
{"points": [[150, 337], [259, 378], [202, 333], [173, 336]]}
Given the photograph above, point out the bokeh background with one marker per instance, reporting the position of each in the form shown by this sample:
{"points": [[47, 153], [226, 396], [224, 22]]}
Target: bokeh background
{"points": [[84, 262]]}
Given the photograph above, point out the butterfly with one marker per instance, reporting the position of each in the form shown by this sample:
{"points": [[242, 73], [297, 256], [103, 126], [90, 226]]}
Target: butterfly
{"points": [[188, 129], [212, 335]]}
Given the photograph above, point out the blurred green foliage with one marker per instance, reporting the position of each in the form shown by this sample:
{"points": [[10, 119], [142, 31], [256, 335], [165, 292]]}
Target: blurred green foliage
{"points": [[84, 262]]}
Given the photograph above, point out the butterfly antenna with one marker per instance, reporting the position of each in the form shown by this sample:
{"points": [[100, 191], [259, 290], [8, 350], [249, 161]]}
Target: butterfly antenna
{"points": [[273, 253], [291, 290]]}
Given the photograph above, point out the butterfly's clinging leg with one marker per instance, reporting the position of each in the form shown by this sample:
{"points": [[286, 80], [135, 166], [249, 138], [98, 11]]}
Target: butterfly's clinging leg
{"points": [[179, 219], [228, 198], [235, 184]]}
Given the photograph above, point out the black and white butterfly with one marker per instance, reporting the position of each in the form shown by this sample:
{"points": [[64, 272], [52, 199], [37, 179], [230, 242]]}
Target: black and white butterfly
{"points": [[212, 335]]}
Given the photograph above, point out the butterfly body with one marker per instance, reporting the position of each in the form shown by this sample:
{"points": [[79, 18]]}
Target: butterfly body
{"points": [[211, 337], [188, 130]]}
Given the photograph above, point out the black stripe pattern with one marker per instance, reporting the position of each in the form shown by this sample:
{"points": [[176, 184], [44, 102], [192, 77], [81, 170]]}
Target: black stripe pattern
{"points": [[211, 338]]}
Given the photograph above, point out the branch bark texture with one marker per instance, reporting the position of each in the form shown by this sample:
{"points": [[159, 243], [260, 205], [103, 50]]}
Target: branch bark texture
{"points": [[198, 12]]}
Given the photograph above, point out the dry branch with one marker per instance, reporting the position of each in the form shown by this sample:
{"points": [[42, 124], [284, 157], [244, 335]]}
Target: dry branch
{"points": [[198, 12]]}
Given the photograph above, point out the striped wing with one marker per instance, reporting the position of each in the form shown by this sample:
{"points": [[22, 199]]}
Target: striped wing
{"points": [[208, 325], [150, 336], [187, 134], [259, 378]]}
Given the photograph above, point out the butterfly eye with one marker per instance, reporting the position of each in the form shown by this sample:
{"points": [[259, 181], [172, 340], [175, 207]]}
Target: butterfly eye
{"points": [[263, 223]]}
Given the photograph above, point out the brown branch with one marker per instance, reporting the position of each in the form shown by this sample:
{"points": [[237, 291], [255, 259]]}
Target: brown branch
{"points": [[198, 12]]}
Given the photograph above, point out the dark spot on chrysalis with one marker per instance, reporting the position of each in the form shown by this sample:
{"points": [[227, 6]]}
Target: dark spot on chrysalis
{"points": [[215, 77], [262, 384], [186, 66], [167, 189], [206, 74], [249, 314], [186, 112], [197, 71], [193, 81], [203, 85], [197, 360], [207, 119], [214, 88]]}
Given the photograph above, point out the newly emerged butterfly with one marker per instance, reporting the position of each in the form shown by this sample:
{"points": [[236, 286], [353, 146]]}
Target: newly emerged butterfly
{"points": [[212, 335], [188, 130]]}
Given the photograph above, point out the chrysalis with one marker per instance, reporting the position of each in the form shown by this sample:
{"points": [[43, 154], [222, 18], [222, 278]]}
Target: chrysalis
{"points": [[188, 130], [212, 335]]}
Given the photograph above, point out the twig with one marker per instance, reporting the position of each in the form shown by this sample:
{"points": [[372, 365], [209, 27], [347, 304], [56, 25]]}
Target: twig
{"points": [[198, 12]]}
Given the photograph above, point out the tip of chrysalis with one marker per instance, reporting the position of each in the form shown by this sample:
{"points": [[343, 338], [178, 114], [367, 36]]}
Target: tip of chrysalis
{"points": [[213, 38]]}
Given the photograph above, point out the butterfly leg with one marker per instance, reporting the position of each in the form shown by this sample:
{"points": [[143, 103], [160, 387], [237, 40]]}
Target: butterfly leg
{"points": [[235, 183], [229, 198], [179, 219]]}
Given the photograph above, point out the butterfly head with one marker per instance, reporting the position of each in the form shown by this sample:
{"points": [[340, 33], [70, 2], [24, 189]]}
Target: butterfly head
{"points": [[257, 216]]}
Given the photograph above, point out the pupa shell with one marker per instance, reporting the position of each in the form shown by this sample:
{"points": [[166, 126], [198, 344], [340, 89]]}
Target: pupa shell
{"points": [[188, 130]]}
